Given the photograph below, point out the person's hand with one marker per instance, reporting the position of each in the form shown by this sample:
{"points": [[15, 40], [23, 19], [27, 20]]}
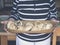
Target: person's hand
{"points": [[54, 20], [5, 23]]}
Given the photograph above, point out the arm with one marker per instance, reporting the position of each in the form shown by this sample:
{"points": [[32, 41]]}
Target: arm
{"points": [[53, 12], [14, 15], [14, 12]]}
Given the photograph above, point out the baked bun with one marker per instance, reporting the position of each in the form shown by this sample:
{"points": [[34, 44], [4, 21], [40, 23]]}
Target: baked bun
{"points": [[11, 25], [48, 26], [40, 26], [28, 26], [35, 28], [19, 23], [21, 28]]}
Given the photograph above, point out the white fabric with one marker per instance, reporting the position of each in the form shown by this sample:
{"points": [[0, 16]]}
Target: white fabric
{"points": [[23, 42]]}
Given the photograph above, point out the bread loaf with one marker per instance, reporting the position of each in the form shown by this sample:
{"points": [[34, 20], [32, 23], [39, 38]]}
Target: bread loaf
{"points": [[29, 26]]}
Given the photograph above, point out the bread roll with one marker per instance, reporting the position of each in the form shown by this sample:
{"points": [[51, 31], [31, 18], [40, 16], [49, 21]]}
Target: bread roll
{"points": [[19, 23], [40, 26], [28, 26], [35, 28], [48, 26], [20, 28], [11, 25]]}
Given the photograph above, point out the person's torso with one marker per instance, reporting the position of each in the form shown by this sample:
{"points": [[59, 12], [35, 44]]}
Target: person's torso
{"points": [[33, 9]]}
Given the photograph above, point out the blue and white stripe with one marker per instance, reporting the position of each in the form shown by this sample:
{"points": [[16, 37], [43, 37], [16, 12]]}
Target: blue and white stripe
{"points": [[34, 10]]}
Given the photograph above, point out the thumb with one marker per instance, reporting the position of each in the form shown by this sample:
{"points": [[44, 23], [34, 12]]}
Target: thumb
{"points": [[57, 21], [3, 22]]}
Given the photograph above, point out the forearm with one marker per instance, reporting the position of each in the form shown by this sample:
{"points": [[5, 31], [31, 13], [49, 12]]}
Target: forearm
{"points": [[14, 12], [53, 11]]}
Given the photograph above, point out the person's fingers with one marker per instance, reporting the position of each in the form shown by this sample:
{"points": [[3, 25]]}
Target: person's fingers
{"points": [[57, 21], [3, 22], [5, 28]]}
